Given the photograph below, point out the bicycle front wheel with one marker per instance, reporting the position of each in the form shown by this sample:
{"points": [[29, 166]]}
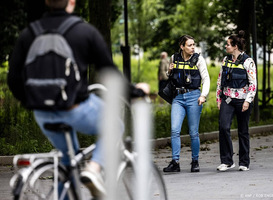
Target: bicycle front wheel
{"points": [[126, 184]]}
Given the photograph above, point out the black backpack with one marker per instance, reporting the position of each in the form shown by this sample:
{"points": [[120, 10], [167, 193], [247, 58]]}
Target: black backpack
{"points": [[51, 74]]}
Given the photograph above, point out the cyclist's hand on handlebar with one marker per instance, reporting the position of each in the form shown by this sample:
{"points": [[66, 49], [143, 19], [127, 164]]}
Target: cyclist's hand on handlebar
{"points": [[144, 87]]}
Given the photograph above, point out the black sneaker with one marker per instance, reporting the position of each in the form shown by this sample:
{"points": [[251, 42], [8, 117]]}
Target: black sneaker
{"points": [[172, 167], [195, 166]]}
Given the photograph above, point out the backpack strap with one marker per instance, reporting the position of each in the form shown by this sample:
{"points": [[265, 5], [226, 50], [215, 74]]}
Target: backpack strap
{"points": [[36, 27], [68, 23]]}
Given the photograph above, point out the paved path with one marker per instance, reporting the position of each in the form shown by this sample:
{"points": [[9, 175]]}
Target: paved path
{"points": [[208, 184], [6, 173]]}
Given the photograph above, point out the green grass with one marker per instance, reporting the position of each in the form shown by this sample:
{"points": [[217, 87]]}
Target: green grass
{"points": [[209, 116], [20, 134], [141, 71]]}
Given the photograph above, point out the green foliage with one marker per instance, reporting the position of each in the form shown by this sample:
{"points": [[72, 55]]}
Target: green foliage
{"points": [[20, 134], [18, 129], [260, 83], [7, 149], [142, 70], [162, 120], [157, 25], [82, 9], [209, 116], [13, 19], [153, 25]]}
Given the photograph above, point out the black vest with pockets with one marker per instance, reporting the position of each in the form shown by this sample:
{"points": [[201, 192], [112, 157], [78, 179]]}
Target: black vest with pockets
{"points": [[234, 74], [185, 73]]}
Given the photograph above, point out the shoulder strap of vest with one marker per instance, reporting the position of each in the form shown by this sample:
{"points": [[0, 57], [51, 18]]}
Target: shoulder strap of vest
{"points": [[175, 55], [245, 56], [239, 59], [68, 23], [194, 59], [229, 57]]}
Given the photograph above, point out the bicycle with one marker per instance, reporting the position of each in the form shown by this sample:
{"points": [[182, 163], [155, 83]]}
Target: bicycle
{"points": [[42, 173]]}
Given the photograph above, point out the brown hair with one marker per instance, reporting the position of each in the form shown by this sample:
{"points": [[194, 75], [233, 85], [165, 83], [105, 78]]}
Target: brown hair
{"points": [[183, 39], [238, 39], [57, 4]]}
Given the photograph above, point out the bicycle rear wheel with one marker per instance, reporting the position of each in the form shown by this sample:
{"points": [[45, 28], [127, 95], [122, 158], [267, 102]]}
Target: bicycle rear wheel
{"points": [[126, 184], [40, 184]]}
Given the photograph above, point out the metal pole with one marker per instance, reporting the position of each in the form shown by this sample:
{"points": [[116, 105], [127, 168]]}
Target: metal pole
{"points": [[268, 71], [112, 129], [264, 70], [126, 49], [142, 135], [254, 41]]}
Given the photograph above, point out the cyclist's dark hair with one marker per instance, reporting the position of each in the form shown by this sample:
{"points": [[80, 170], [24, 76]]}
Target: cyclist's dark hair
{"points": [[238, 39], [57, 4]]}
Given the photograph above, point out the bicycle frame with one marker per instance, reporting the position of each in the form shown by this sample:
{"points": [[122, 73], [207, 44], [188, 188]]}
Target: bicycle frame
{"points": [[35, 164]]}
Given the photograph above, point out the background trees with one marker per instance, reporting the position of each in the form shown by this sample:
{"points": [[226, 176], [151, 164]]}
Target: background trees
{"points": [[13, 19], [154, 26]]}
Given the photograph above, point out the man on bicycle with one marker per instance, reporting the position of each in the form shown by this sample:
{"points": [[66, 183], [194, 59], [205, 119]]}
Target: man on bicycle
{"points": [[89, 48]]}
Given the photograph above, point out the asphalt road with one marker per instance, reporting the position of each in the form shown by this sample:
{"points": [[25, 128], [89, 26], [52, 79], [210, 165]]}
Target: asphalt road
{"points": [[211, 184], [208, 184]]}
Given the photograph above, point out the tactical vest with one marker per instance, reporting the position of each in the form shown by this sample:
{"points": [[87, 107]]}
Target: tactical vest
{"points": [[234, 74], [185, 73]]}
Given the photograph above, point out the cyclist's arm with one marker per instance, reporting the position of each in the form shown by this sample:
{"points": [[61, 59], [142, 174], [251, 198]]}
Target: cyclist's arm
{"points": [[16, 64]]}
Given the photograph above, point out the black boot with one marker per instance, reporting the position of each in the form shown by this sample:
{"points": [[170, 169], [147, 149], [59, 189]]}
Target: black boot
{"points": [[172, 167], [195, 166]]}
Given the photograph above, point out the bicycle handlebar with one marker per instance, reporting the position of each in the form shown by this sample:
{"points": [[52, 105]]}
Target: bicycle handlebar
{"points": [[98, 86]]}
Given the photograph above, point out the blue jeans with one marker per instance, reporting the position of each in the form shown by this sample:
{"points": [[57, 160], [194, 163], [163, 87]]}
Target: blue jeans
{"points": [[85, 118], [182, 105]]}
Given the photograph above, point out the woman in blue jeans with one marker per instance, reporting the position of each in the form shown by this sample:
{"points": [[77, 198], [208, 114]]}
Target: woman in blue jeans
{"points": [[188, 70]]}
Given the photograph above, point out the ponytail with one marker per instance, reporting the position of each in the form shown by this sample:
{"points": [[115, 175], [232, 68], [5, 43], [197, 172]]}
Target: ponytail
{"points": [[238, 39]]}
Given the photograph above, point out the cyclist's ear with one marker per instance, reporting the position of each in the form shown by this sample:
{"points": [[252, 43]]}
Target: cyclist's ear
{"points": [[70, 6]]}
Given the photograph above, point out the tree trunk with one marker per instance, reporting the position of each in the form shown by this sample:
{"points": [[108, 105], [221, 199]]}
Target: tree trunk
{"points": [[254, 41], [244, 21], [100, 17]]}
